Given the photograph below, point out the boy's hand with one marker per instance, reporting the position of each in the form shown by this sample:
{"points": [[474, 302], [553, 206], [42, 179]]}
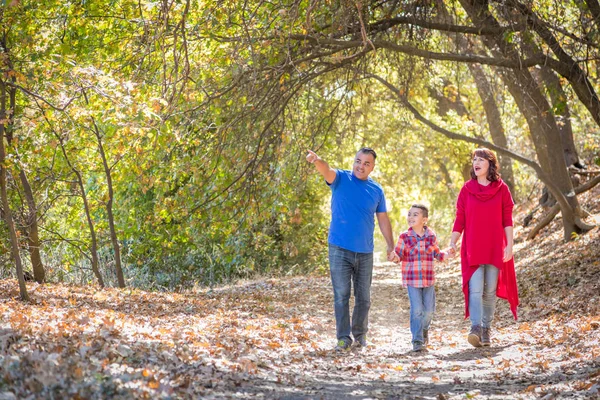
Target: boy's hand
{"points": [[393, 257]]}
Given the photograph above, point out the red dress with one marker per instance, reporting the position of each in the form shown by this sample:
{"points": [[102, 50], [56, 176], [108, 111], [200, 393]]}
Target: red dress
{"points": [[482, 213]]}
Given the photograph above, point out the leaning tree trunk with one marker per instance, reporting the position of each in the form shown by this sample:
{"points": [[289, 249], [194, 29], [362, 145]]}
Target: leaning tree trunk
{"points": [[548, 78], [14, 242], [490, 107], [561, 110], [88, 215], [33, 238], [494, 120], [109, 209], [537, 112]]}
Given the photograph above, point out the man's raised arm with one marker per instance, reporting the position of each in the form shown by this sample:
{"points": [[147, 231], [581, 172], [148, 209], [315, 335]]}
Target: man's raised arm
{"points": [[321, 166]]}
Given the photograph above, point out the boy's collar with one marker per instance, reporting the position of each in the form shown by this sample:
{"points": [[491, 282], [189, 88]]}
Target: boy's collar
{"points": [[425, 232]]}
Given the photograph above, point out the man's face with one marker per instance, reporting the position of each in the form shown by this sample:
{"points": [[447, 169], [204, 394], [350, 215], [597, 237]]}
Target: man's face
{"points": [[363, 165]]}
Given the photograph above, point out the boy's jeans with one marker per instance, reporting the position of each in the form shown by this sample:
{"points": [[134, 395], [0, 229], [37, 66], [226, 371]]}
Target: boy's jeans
{"points": [[482, 295], [348, 267], [422, 307]]}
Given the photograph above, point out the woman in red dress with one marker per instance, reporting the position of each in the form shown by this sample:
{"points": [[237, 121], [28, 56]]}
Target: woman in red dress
{"points": [[484, 218]]}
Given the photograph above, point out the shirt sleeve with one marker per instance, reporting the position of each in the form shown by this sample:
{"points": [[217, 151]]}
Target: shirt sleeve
{"points": [[507, 207], [400, 247], [459, 222], [382, 206], [437, 253], [336, 181]]}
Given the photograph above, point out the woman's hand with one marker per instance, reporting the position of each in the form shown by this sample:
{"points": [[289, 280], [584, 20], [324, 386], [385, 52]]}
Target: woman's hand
{"points": [[451, 251], [508, 254]]}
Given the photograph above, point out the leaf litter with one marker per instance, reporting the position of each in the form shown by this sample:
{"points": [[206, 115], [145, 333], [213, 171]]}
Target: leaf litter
{"points": [[274, 338]]}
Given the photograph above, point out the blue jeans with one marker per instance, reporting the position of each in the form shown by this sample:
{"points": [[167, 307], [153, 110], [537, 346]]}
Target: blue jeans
{"points": [[422, 307], [482, 295], [347, 268]]}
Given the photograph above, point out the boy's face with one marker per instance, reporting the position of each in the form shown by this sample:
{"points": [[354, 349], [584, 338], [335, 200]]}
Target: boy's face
{"points": [[415, 218]]}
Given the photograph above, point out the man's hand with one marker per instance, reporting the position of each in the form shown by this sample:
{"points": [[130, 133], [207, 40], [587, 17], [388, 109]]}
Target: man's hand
{"points": [[311, 157], [393, 257], [324, 169]]}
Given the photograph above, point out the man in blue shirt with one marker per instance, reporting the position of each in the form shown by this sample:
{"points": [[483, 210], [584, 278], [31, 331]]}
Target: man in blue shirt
{"points": [[355, 200]]}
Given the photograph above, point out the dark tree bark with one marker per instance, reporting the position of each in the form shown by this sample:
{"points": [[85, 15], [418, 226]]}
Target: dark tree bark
{"points": [[594, 8], [562, 114], [8, 218], [537, 112], [492, 114], [109, 209], [31, 224], [566, 65], [86, 206]]}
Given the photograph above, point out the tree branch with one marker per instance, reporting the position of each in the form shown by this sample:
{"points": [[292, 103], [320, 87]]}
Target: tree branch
{"points": [[37, 96], [560, 197]]}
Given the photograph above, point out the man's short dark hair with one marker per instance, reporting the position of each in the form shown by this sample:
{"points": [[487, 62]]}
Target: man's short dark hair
{"points": [[422, 207], [368, 150]]}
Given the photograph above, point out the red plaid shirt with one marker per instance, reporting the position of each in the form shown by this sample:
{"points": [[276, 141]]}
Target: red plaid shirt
{"points": [[417, 254]]}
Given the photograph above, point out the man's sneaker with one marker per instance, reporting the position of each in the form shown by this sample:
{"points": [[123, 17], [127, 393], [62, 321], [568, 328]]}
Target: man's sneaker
{"points": [[360, 342], [486, 336], [418, 346], [342, 345], [425, 337], [475, 336]]}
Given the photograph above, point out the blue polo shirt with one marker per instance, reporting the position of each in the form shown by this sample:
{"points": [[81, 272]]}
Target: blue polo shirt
{"points": [[354, 203]]}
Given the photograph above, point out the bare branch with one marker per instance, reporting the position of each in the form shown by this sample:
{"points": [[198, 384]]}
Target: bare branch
{"points": [[37, 96]]}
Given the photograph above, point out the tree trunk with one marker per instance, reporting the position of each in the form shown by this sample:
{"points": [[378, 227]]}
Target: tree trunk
{"points": [[88, 215], [33, 240], [492, 113], [548, 78], [39, 273], [494, 120], [594, 8], [14, 242], [562, 114], [537, 112], [109, 210]]}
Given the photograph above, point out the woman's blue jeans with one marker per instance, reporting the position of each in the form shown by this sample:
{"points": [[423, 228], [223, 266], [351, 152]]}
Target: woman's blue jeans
{"points": [[350, 268], [422, 307], [482, 295]]}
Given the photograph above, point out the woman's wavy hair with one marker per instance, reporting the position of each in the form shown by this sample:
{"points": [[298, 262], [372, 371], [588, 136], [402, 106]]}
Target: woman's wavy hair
{"points": [[493, 174]]}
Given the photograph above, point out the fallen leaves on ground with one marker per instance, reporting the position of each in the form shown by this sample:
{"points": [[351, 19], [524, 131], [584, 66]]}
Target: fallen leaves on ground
{"points": [[273, 338]]}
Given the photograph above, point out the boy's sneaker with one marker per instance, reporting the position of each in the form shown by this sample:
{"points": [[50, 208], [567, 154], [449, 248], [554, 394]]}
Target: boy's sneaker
{"points": [[486, 337], [475, 336], [418, 346], [342, 345], [425, 337]]}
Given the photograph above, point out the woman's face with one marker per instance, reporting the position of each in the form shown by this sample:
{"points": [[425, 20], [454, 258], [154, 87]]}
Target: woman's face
{"points": [[481, 166]]}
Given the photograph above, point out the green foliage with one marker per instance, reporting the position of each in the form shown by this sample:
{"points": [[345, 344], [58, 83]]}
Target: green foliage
{"points": [[206, 110]]}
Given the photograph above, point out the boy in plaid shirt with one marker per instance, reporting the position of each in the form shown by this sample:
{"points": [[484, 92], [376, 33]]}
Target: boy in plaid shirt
{"points": [[417, 248]]}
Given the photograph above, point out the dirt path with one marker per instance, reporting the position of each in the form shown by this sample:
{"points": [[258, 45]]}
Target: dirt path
{"points": [[518, 365]]}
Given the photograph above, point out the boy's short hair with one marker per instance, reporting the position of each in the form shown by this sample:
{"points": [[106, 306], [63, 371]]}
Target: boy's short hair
{"points": [[422, 207]]}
